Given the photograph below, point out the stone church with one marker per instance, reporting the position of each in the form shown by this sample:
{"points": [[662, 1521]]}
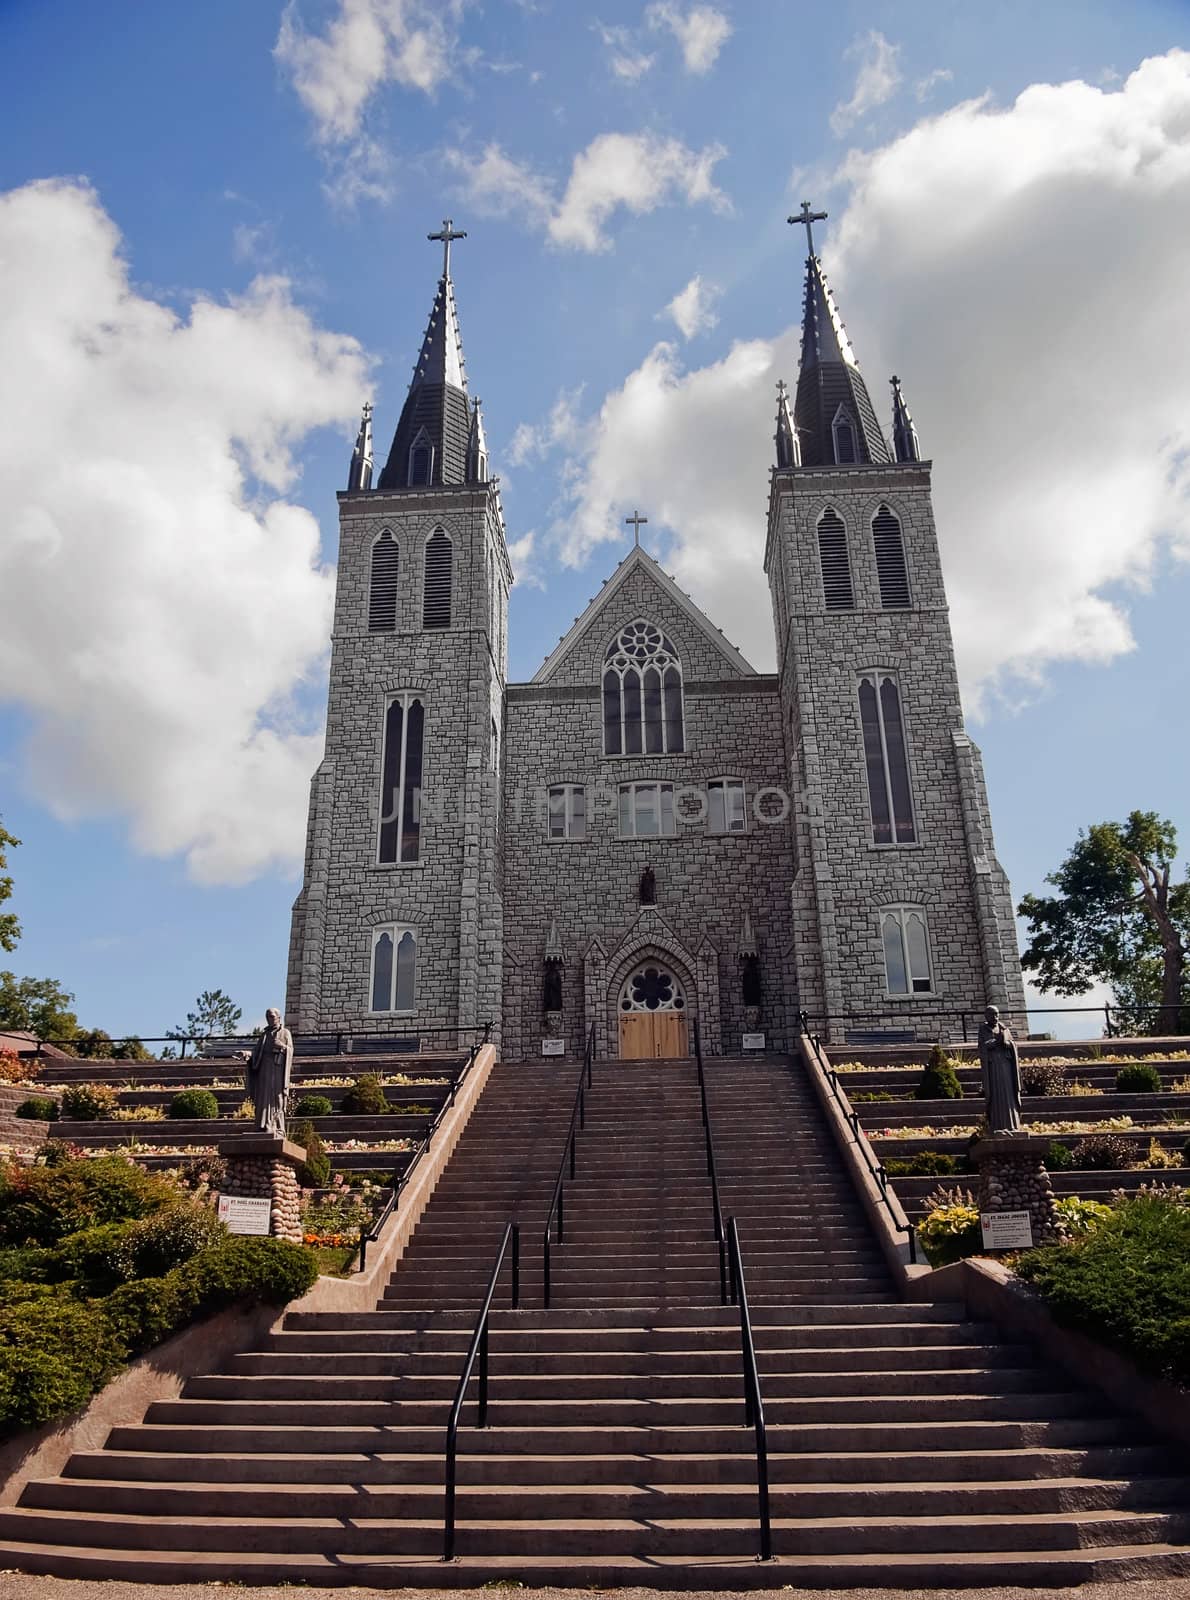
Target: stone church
{"points": [[650, 833]]}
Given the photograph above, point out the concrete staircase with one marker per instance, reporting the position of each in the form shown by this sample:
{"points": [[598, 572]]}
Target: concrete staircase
{"points": [[908, 1447]]}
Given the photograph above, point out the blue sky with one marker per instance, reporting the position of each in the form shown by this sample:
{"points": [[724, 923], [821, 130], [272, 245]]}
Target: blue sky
{"points": [[212, 249]]}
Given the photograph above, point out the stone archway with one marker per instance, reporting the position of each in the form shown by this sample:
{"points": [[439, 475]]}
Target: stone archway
{"points": [[651, 1012], [651, 947]]}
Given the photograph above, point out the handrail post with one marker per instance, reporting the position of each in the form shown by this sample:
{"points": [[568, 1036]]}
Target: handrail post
{"points": [[482, 1420], [753, 1406], [516, 1266]]}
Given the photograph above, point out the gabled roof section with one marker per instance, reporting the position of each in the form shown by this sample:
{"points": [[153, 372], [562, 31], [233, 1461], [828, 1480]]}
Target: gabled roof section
{"points": [[627, 594]]}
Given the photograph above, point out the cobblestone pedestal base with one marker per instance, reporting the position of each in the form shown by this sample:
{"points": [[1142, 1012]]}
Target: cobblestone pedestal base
{"points": [[1013, 1177], [261, 1167]]}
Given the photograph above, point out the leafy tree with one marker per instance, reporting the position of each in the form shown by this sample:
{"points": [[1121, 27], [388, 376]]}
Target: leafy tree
{"points": [[10, 928], [214, 1014], [37, 1005], [1117, 919]]}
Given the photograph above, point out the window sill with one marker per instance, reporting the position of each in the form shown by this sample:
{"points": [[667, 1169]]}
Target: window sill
{"points": [[917, 844], [395, 866]]}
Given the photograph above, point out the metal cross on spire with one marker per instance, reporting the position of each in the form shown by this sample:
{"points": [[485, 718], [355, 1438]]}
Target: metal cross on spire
{"points": [[445, 238], [637, 522], [808, 218]]}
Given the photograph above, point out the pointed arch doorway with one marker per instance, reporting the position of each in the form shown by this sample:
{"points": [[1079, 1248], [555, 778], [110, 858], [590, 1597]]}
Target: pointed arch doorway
{"points": [[652, 1014]]}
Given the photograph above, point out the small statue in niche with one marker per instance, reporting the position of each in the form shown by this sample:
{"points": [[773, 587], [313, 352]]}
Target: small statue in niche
{"points": [[551, 986], [267, 1076], [1001, 1074], [648, 887], [750, 980]]}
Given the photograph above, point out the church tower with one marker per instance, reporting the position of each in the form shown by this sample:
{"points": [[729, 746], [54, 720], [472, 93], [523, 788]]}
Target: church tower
{"points": [[901, 910], [399, 919]]}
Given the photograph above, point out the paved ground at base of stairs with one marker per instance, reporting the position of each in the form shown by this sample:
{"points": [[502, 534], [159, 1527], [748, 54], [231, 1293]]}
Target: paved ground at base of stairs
{"points": [[20, 1586]]}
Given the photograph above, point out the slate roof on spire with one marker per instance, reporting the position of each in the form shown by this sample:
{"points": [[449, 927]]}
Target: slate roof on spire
{"points": [[789, 452], [830, 384], [436, 405], [359, 475], [477, 446]]}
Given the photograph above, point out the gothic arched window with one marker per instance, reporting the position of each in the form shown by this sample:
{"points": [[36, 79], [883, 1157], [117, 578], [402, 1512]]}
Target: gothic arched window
{"points": [[421, 460], [835, 561], [400, 780], [382, 594], [843, 431], [906, 942], [394, 968], [886, 760], [642, 694], [890, 560], [435, 609]]}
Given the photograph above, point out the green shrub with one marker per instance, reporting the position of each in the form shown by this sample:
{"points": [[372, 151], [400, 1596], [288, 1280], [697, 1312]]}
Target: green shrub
{"points": [[55, 1153], [951, 1228], [365, 1098], [860, 1098], [41, 1205], [1127, 1283], [38, 1108], [54, 1354], [314, 1105], [938, 1081], [1138, 1077], [925, 1164], [190, 1104], [272, 1270], [315, 1171], [29, 1264], [97, 1259], [163, 1241], [1081, 1216], [89, 1102], [1106, 1152], [145, 1312], [1058, 1157]]}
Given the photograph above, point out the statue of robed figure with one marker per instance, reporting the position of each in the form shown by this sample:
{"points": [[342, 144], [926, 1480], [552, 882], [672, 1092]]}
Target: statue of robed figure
{"points": [[267, 1077], [1001, 1074]]}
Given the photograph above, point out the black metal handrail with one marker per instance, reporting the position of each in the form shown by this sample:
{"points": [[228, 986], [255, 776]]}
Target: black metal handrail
{"points": [[578, 1118], [477, 1347], [901, 1223], [371, 1233], [338, 1044], [753, 1404], [926, 1019], [712, 1171]]}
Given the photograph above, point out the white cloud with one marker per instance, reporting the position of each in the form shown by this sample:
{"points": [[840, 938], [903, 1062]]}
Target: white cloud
{"points": [[367, 44], [1024, 270], [701, 32], [626, 61], [532, 441], [692, 307], [162, 599], [524, 556], [638, 172], [924, 87], [876, 81]]}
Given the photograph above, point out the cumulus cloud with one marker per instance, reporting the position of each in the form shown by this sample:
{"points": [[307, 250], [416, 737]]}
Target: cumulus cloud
{"points": [[1023, 269], [636, 172], [163, 601], [876, 81], [533, 440], [522, 553], [366, 44], [692, 308], [701, 32]]}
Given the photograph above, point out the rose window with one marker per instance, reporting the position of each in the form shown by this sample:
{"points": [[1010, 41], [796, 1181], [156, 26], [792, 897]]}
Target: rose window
{"points": [[652, 989]]}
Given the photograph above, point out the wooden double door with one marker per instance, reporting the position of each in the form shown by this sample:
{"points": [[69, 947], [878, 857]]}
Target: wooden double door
{"points": [[651, 1035]]}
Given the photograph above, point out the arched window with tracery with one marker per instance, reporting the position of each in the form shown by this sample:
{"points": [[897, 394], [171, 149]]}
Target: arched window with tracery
{"points": [[382, 594], [642, 694]]}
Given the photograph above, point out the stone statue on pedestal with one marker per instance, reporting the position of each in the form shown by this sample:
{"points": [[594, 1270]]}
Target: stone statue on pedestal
{"points": [[1001, 1074], [648, 887], [267, 1077]]}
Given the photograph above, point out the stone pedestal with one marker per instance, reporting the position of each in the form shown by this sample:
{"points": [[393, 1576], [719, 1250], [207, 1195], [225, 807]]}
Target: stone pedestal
{"points": [[1013, 1177], [262, 1167]]}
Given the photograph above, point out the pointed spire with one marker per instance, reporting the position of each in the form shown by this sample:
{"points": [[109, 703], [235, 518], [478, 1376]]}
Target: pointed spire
{"points": [[553, 942], [359, 476], [747, 939], [905, 445], [477, 447], [834, 419], [789, 451], [430, 444]]}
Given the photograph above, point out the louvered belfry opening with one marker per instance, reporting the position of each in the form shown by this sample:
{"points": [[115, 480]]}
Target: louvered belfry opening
{"points": [[890, 560], [835, 562], [436, 599], [382, 596]]}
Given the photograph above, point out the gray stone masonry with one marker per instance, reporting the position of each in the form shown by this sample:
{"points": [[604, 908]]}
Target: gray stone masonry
{"points": [[266, 1169], [843, 878], [1013, 1177]]}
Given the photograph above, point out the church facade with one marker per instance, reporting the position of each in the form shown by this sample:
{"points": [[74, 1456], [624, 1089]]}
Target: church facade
{"points": [[650, 833]]}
